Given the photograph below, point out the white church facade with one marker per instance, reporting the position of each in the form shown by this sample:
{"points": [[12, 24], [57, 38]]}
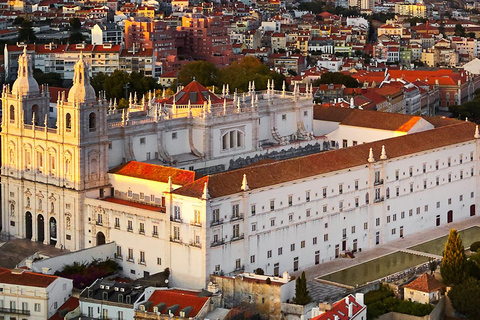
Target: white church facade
{"points": [[89, 178]]}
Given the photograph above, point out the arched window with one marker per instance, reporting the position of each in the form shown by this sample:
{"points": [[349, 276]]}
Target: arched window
{"points": [[67, 166], [233, 139], [68, 121], [12, 113], [92, 121]]}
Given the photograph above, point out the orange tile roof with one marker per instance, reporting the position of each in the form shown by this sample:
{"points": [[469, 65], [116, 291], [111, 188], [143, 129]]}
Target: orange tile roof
{"points": [[26, 278], [340, 309], [183, 298], [154, 172], [425, 283], [135, 204], [71, 304], [196, 93], [227, 183]]}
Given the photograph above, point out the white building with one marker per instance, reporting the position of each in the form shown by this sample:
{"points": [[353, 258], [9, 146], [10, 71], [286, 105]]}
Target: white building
{"points": [[32, 296], [107, 33]]}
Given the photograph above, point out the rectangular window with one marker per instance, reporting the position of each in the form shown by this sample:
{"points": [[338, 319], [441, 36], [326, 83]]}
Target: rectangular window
{"points": [[117, 223], [377, 222], [290, 200], [325, 237], [426, 208], [272, 222], [315, 240], [356, 202], [119, 252], [324, 208], [356, 184], [155, 231], [130, 254], [324, 192], [272, 205], [290, 217], [353, 229], [253, 209], [344, 143], [340, 188], [418, 210], [365, 225], [235, 211], [292, 247], [142, 140], [141, 228], [142, 257], [302, 244], [397, 174], [254, 227], [176, 233], [37, 308], [402, 215], [388, 219], [130, 225], [397, 191], [174, 135], [410, 212], [307, 196], [236, 231], [252, 259], [269, 254], [280, 251]]}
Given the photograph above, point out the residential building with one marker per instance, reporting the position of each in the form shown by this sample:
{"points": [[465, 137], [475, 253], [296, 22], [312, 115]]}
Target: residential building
{"points": [[424, 289], [107, 33], [181, 304], [105, 299], [350, 307], [32, 296], [418, 10]]}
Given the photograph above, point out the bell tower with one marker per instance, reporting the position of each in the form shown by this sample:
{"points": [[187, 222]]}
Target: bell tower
{"points": [[82, 120]]}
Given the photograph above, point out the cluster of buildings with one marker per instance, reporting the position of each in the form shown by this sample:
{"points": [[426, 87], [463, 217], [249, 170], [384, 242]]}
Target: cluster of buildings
{"points": [[153, 176]]}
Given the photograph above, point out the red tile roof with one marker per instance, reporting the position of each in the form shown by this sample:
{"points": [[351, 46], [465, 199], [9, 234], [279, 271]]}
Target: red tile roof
{"points": [[340, 309], [183, 298], [425, 283], [135, 204], [69, 305], [26, 278], [196, 93], [154, 172]]}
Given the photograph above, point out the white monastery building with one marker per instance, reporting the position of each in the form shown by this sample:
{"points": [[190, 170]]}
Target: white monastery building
{"points": [[152, 178]]}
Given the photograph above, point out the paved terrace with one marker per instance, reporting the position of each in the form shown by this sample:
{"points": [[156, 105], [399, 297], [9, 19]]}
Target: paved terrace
{"points": [[14, 251]]}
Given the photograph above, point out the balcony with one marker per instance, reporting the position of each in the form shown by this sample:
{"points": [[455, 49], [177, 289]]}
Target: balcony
{"points": [[174, 239], [195, 244], [235, 217], [381, 199], [195, 223], [217, 243], [237, 237], [175, 219], [378, 182], [14, 311], [216, 222]]}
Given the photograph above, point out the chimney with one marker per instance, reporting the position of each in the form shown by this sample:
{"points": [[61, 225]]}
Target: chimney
{"points": [[360, 299]]}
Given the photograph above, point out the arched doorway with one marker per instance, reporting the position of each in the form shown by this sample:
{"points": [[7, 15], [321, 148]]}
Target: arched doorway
{"points": [[28, 226], [100, 238], [450, 216], [40, 228], [53, 231], [472, 210]]}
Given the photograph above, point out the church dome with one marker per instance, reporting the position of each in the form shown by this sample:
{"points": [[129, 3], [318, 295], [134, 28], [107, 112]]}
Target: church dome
{"points": [[81, 91], [25, 83]]}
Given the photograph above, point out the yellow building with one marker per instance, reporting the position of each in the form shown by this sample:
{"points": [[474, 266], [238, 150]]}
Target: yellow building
{"points": [[418, 10], [390, 30]]}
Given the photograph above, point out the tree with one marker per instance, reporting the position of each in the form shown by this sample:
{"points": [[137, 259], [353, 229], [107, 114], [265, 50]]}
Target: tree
{"points": [[75, 23], [453, 262], [301, 293], [432, 265], [26, 34], [464, 298], [239, 74], [76, 37], [204, 72], [337, 78], [51, 78], [459, 30]]}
